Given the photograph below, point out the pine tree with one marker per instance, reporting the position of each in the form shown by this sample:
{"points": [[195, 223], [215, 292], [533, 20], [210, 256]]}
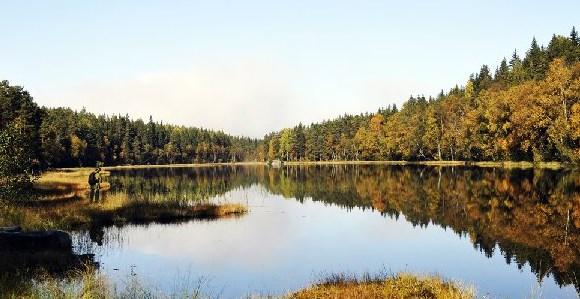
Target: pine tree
{"points": [[502, 71], [515, 59], [482, 79], [534, 63], [574, 36], [299, 142]]}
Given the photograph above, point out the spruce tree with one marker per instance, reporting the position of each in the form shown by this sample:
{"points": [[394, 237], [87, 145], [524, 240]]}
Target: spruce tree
{"points": [[574, 36]]}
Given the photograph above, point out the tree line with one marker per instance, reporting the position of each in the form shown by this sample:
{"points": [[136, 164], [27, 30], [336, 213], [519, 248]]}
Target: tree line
{"points": [[528, 109], [70, 138], [34, 138]]}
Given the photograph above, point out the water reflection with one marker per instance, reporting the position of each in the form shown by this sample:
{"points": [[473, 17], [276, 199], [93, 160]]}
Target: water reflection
{"points": [[530, 217]]}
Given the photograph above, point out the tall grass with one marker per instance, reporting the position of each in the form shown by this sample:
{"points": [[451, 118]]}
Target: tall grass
{"points": [[402, 285], [89, 283], [67, 180]]}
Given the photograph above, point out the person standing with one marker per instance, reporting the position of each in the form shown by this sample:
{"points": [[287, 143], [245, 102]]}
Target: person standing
{"points": [[95, 179], [95, 185]]}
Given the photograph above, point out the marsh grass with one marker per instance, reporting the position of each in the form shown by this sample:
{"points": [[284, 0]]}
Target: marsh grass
{"points": [[62, 184], [141, 211], [117, 209], [89, 283], [63, 203], [403, 285]]}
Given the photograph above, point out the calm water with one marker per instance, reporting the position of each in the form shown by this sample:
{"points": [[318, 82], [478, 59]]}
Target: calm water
{"points": [[510, 233]]}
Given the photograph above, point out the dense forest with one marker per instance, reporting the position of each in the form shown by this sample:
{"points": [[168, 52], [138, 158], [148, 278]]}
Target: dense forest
{"points": [[61, 137], [34, 138], [528, 109]]}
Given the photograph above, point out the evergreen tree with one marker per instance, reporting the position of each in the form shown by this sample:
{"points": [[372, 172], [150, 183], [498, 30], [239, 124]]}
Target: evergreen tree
{"points": [[534, 62], [574, 36], [502, 71], [299, 142]]}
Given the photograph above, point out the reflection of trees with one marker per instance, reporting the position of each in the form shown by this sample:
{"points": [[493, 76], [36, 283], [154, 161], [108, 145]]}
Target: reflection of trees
{"points": [[532, 216], [180, 183]]}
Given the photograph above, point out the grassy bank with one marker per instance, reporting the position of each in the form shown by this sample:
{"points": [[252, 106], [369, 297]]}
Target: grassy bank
{"points": [[168, 211], [62, 184], [64, 203], [115, 210], [89, 283], [399, 286]]}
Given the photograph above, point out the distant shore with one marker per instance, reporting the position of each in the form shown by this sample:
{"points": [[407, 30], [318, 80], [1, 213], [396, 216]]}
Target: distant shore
{"points": [[495, 164], [502, 164], [192, 165]]}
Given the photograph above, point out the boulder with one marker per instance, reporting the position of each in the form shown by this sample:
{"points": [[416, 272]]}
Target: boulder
{"points": [[15, 239]]}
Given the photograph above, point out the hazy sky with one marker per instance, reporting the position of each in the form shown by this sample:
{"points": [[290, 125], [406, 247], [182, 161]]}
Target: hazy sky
{"points": [[250, 67]]}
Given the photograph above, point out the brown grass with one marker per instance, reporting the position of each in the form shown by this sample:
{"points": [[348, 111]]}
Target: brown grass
{"points": [[88, 283], [62, 203], [66, 181], [115, 209], [399, 286], [146, 212]]}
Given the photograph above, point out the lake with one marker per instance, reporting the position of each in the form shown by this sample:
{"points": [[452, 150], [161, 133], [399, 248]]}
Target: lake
{"points": [[509, 233]]}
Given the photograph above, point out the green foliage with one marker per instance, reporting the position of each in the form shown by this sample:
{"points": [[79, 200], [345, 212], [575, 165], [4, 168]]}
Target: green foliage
{"points": [[526, 111], [73, 138], [19, 120]]}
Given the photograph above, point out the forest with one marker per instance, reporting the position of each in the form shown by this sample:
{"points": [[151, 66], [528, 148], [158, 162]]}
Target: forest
{"points": [[527, 110], [34, 138]]}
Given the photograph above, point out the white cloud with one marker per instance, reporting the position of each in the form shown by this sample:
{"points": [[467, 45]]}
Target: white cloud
{"points": [[247, 98]]}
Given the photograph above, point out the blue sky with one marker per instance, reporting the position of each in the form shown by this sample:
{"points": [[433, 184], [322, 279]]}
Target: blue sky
{"points": [[250, 67]]}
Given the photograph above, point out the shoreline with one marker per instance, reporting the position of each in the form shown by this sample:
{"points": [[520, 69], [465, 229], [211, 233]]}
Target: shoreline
{"points": [[483, 164]]}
